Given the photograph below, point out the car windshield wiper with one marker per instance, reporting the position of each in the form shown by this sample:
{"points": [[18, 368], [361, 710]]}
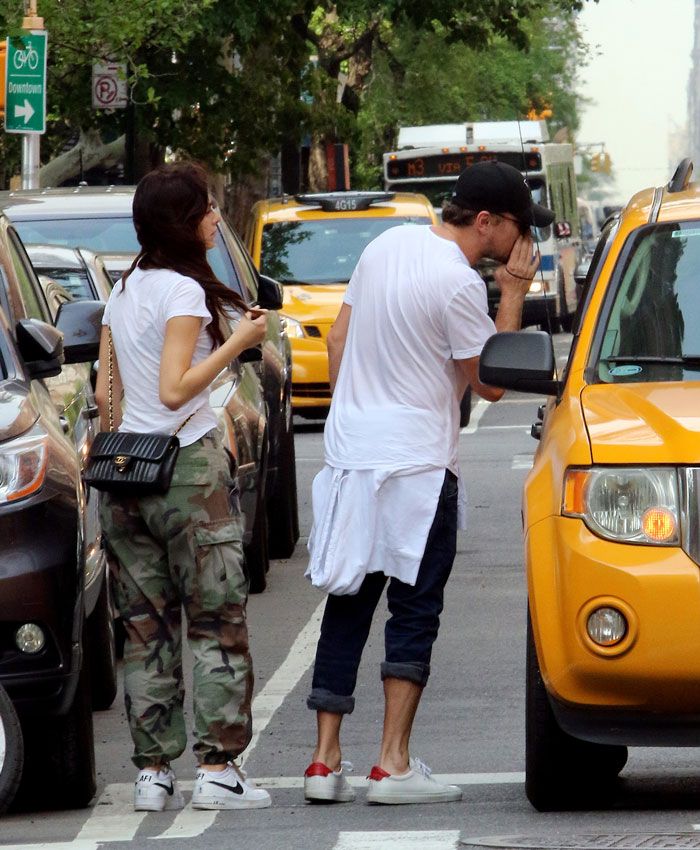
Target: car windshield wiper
{"points": [[684, 360]]}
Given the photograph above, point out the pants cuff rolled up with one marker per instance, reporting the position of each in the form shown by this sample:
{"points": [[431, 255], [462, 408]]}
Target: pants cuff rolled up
{"points": [[410, 671], [322, 700]]}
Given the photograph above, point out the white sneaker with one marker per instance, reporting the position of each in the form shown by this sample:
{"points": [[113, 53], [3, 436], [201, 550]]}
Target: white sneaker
{"points": [[323, 785], [416, 786], [157, 791], [227, 789]]}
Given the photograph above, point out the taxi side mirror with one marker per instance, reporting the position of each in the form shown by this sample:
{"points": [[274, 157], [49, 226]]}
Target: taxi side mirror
{"points": [[521, 361]]}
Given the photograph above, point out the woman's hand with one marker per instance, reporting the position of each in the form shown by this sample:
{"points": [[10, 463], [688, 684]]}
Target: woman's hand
{"points": [[251, 330]]}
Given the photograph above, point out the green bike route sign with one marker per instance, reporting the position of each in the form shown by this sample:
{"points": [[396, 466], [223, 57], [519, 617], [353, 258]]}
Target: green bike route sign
{"points": [[25, 83]]}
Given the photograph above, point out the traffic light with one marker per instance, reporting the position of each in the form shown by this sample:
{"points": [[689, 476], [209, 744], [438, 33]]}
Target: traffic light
{"points": [[605, 163], [596, 162]]}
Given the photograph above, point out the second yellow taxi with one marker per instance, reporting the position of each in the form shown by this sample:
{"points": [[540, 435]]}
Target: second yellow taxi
{"points": [[311, 244]]}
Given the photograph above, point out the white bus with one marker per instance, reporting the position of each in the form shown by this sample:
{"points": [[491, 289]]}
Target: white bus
{"points": [[429, 159]]}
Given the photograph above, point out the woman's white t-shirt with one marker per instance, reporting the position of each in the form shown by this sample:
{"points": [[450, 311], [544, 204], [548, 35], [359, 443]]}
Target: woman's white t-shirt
{"points": [[137, 313]]}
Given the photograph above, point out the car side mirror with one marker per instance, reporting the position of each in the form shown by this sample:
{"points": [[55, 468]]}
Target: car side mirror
{"points": [[270, 293], [80, 322], [521, 361], [250, 355], [41, 347]]}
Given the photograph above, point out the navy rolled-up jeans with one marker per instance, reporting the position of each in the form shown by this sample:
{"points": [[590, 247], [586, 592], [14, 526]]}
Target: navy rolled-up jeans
{"points": [[411, 629]]}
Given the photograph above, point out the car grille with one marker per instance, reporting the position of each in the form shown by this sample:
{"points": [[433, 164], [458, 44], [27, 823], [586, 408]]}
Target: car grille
{"points": [[311, 390]]}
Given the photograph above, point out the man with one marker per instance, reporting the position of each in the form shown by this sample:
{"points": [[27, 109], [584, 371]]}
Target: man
{"points": [[402, 351]]}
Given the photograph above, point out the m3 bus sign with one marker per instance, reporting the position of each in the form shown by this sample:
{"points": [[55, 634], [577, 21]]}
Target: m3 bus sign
{"points": [[452, 164]]}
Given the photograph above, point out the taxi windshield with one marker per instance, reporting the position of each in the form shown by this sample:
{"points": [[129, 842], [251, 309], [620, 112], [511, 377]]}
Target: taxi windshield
{"points": [[322, 251], [652, 331]]}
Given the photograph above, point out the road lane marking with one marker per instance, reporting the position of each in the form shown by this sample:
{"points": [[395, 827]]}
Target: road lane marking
{"points": [[189, 823], [522, 461], [477, 412], [441, 839], [285, 678], [113, 817]]}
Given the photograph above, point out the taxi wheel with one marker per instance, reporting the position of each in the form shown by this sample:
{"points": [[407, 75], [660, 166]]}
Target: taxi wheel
{"points": [[561, 772], [11, 751]]}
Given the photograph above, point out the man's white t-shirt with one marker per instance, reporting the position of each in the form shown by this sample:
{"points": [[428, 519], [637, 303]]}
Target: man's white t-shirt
{"points": [[393, 426], [137, 314]]}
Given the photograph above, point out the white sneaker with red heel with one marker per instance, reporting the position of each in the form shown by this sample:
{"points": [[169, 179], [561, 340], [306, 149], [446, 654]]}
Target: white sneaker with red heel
{"points": [[415, 786], [323, 785]]}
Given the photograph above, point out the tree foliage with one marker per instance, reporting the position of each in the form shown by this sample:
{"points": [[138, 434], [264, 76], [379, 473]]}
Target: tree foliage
{"points": [[228, 81]]}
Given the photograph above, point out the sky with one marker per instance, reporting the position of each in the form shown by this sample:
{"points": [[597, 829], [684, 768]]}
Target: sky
{"points": [[640, 59]]}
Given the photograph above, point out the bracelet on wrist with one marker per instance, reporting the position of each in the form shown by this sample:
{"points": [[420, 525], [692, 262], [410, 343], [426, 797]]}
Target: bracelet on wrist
{"points": [[519, 276]]}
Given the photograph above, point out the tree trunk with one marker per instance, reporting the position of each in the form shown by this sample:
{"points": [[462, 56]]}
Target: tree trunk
{"points": [[318, 167], [90, 152]]}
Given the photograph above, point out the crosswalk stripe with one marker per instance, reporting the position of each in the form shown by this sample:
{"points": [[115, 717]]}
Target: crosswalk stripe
{"points": [[442, 839], [189, 823], [477, 412]]}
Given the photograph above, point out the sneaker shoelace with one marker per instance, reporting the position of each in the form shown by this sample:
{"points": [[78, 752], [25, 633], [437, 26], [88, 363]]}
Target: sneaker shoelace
{"points": [[420, 767]]}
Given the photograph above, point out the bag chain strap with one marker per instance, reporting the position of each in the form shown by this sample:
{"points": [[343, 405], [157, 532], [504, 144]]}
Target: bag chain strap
{"points": [[111, 385]]}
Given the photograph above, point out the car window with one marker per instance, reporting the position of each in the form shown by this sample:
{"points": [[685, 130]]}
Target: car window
{"points": [[33, 301], [114, 233], [74, 281], [651, 331], [244, 267], [321, 250]]}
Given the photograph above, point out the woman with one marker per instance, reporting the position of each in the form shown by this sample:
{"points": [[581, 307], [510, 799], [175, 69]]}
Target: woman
{"points": [[166, 317]]}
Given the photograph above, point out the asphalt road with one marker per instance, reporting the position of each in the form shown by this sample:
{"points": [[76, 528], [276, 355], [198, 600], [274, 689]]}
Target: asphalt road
{"points": [[470, 724]]}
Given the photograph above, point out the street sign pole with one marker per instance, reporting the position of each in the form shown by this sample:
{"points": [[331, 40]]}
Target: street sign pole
{"points": [[25, 91], [30, 160]]}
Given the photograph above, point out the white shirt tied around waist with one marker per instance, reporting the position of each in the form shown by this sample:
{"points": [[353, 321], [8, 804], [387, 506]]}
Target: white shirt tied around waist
{"points": [[393, 426], [137, 314]]}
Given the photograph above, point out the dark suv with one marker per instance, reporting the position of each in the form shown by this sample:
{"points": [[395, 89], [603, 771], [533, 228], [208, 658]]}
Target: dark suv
{"points": [[56, 639], [99, 219]]}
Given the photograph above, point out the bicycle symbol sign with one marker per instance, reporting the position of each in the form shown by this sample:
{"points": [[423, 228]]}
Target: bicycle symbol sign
{"points": [[28, 57], [25, 83]]}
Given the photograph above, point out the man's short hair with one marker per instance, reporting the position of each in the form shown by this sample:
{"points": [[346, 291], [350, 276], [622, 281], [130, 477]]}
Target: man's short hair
{"points": [[456, 215]]}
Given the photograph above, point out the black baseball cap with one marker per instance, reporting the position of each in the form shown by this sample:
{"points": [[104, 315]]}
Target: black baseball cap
{"points": [[499, 188]]}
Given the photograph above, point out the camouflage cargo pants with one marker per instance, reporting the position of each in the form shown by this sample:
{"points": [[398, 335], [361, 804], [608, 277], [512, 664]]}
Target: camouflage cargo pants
{"points": [[179, 550]]}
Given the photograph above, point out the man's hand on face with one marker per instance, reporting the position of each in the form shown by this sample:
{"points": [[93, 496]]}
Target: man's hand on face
{"points": [[517, 274]]}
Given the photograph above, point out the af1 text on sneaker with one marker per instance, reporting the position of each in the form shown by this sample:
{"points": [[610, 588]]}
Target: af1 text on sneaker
{"points": [[157, 791]]}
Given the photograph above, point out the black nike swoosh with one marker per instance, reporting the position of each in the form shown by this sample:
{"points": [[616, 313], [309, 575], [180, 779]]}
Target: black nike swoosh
{"points": [[168, 788], [235, 789]]}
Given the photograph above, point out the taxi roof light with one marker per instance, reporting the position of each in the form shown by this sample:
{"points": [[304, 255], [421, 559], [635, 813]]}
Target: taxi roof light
{"points": [[343, 201]]}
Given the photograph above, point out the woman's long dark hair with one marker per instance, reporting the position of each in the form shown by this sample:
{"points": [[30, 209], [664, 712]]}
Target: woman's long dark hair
{"points": [[169, 205]]}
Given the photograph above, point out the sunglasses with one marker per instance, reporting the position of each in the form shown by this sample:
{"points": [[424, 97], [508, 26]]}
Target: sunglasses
{"points": [[522, 226]]}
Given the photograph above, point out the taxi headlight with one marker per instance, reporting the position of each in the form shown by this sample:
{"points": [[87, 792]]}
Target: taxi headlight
{"points": [[294, 328], [30, 638], [626, 504]]}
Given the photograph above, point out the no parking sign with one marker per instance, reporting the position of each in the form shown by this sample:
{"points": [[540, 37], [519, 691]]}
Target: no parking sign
{"points": [[109, 86]]}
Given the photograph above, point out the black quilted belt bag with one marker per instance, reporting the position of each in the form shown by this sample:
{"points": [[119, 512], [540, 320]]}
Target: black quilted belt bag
{"points": [[131, 464]]}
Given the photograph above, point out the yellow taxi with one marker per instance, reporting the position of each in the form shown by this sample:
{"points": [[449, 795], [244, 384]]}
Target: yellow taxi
{"points": [[611, 507], [311, 244]]}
